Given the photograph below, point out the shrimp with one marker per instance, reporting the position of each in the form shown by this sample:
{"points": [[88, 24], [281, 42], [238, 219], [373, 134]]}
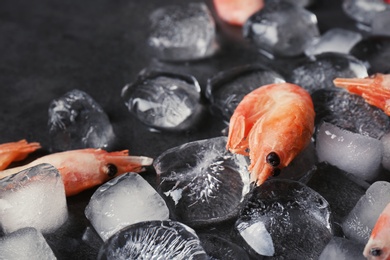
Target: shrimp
{"points": [[236, 12], [85, 168], [378, 246], [374, 89], [275, 123], [15, 151]]}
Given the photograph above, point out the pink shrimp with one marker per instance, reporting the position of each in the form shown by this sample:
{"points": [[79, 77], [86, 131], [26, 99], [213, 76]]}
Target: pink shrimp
{"points": [[374, 89], [15, 151], [236, 12], [275, 122], [378, 246], [86, 168]]}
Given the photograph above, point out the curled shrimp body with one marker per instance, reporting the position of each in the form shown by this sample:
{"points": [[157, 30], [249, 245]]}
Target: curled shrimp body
{"points": [[15, 151], [272, 125], [85, 168], [374, 89]]}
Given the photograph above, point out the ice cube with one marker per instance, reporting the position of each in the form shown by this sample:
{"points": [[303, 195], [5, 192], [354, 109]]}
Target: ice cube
{"points": [[154, 240], [164, 100], [182, 32], [386, 151], [342, 249], [281, 28], [319, 71], [349, 112], [354, 153], [227, 88], [202, 181], [77, 121], [285, 219], [25, 244], [364, 11], [303, 3], [341, 189], [34, 197], [217, 247], [380, 23], [374, 51], [360, 221], [334, 40], [124, 200]]}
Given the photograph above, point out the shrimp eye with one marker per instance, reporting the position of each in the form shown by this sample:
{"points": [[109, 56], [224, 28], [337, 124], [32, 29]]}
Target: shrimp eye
{"points": [[112, 170], [375, 252], [276, 172], [273, 159]]}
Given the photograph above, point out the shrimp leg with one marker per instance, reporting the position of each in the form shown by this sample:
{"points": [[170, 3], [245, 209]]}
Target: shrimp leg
{"points": [[15, 151]]}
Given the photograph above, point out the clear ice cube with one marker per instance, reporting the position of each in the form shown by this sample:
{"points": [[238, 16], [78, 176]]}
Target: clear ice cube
{"points": [[217, 247], [354, 153], [202, 181], [182, 32], [154, 240], [34, 197], [334, 40], [380, 23], [319, 71], [285, 219], [164, 100], [386, 151], [25, 244], [227, 88], [281, 28], [77, 121], [363, 11], [349, 112], [341, 189], [360, 221], [122, 201], [342, 249]]}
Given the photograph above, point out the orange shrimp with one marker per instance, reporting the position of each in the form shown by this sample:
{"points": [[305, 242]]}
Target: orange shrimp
{"points": [[275, 123], [15, 151], [236, 12], [374, 89], [86, 168], [378, 246]]}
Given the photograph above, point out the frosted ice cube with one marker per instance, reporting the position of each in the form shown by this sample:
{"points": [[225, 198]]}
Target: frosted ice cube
{"points": [[281, 28], [334, 40], [77, 121], [360, 221], [350, 112], [319, 71], [25, 244], [342, 249], [34, 197], [380, 23], [164, 100], [182, 32], [227, 88], [354, 153], [123, 201], [364, 11], [285, 219], [154, 240], [202, 181]]}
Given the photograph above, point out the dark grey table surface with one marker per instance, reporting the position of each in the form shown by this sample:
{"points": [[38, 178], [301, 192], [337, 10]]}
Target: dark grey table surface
{"points": [[48, 47]]}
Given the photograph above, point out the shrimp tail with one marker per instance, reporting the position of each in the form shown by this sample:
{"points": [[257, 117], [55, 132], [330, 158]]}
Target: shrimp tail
{"points": [[16, 151]]}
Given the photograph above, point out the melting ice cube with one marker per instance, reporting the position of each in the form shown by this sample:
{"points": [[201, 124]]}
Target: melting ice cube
{"points": [[334, 40], [226, 89], [35, 198], [123, 201], [154, 240], [342, 249], [25, 243], [285, 219], [364, 11], [164, 100], [77, 121], [281, 28], [319, 71], [354, 153], [182, 32], [360, 221], [203, 181]]}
